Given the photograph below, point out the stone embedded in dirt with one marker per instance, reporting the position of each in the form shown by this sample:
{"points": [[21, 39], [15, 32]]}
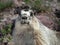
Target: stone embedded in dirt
{"points": [[47, 21]]}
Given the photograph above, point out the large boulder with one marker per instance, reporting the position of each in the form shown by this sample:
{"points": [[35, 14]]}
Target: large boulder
{"points": [[48, 20]]}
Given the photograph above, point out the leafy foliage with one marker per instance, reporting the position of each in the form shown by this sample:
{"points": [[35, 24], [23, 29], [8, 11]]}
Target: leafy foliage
{"points": [[5, 31], [58, 22], [37, 5], [5, 5]]}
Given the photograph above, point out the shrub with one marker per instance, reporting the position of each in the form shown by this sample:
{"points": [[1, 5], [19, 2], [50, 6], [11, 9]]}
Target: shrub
{"points": [[37, 5], [5, 31], [5, 5]]}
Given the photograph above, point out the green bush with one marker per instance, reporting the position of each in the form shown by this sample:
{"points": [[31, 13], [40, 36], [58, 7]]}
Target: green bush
{"points": [[37, 5], [5, 5], [5, 31]]}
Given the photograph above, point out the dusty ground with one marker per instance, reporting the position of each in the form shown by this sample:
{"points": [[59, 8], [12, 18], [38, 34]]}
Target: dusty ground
{"points": [[58, 36]]}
